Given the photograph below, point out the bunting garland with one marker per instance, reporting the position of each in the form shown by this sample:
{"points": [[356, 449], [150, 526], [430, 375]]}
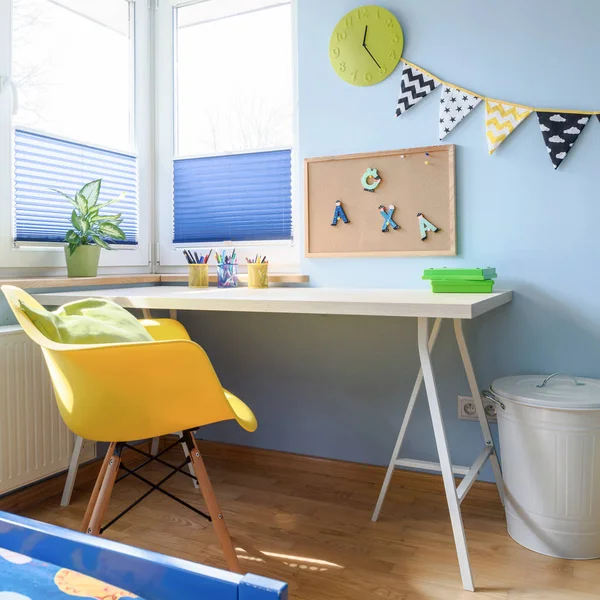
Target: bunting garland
{"points": [[560, 128], [501, 119], [455, 105], [414, 87], [560, 131]]}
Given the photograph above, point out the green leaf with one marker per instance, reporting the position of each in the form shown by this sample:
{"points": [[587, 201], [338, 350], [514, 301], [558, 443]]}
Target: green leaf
{"points": [[105, 204], [100, 242], [71, 200], [114, 218], [82, 203], [79, 223], [75, 221], [91, 191], [71, 236], [72, 247], [112, 231]]}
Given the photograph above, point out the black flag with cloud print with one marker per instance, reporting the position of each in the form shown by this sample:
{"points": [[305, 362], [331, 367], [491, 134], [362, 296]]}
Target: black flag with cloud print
{"points": [[560, 131], [414, 87]]}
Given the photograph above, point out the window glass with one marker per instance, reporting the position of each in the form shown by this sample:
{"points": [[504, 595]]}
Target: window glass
{"points": [[233, 77], [73, 67]]}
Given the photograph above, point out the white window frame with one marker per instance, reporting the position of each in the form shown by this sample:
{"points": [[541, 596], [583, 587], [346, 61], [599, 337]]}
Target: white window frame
{"points": [[42, 255], [284, 255]]}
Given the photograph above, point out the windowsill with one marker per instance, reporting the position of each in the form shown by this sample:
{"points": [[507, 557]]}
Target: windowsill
{"points": [[243, 277], [67, 282]]}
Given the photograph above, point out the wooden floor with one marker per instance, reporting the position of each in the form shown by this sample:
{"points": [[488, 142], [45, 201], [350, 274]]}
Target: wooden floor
{"points": [[307, 522]]}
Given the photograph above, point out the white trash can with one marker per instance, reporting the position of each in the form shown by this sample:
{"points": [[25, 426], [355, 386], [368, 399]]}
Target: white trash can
{"points": [[550, 450]]}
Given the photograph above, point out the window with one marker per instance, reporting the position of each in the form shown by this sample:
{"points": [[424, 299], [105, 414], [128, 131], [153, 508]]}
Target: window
{"points": [[76, 70], [231, 124]]}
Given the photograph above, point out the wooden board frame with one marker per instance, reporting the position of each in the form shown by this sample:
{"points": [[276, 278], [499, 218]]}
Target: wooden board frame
{"points": [[442, 194]]}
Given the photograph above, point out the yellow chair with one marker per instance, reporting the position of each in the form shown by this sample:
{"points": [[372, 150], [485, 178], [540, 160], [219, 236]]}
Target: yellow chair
{"points": [[118, 393]]}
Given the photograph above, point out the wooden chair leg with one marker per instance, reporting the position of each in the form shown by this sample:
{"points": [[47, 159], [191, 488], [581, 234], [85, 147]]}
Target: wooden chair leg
{"points": [[105, 492], [94, 497], [214, 511]]}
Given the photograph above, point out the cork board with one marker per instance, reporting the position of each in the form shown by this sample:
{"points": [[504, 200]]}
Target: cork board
{"points": [[406, 182]]}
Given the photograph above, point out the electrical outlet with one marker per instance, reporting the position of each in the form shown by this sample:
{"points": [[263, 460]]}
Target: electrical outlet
{"points": [[467, 410]]}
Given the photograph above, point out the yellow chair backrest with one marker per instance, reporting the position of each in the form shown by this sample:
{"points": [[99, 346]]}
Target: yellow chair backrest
{"points": [[14, 296], [123, 392]]}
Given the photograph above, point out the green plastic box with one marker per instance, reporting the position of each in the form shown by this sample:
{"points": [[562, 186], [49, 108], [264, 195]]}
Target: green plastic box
{"points": [[460, 274], [456, 286]]}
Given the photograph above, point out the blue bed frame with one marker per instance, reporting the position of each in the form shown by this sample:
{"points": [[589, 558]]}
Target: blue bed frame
{"points": [[148, 574]]}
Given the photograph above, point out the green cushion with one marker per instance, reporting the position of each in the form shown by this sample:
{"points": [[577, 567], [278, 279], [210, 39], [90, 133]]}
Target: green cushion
{"points": [[89, 321]]}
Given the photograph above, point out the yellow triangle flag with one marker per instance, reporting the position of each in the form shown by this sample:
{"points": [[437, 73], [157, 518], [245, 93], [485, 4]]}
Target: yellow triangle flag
{"points": [[501, 119]]}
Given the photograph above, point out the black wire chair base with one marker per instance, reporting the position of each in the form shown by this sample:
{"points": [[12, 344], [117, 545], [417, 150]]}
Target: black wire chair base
{"points": [[154, 487]]}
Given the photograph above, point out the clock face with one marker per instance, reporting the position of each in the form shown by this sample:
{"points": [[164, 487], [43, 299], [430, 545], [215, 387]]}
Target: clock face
{"points": [[366, 45]]}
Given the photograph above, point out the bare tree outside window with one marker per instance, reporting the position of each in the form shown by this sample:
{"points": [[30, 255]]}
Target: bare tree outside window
{"points": [[71, 63], [29, 76], [234, 78]]}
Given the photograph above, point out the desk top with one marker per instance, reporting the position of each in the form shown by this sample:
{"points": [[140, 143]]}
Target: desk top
{"points": [[320, 301]]}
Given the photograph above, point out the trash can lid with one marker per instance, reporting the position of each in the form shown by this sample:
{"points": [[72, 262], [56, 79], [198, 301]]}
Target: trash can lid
{"points": [[559, 391]]}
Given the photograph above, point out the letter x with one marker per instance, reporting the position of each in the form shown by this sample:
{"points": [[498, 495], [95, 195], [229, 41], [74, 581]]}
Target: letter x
{"points": [[387, 218]]}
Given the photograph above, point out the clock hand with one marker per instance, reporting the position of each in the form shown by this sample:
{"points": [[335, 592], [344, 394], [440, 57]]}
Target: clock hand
{"points": [[378, 65], [364, 44]]}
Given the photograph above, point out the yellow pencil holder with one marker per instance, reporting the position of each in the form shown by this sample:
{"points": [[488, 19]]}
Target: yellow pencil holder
{"points": [[258, 275], [198, 275]]}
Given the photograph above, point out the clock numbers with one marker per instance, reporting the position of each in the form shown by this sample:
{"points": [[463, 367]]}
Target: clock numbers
{"points": [[354, 75], [389, 22], [368, 77], [393, 55], [335, 52], [382, 70], [341, 36], [395, 39], [342, 66], [363, 13], [378, 14], [349, 21]]}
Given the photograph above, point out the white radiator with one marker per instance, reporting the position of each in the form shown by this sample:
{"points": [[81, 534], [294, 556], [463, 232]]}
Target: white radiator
{"points": [[34, 441]]}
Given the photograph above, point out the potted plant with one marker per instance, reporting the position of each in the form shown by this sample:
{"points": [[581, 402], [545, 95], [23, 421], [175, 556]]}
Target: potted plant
{"points": [[91, 230]]}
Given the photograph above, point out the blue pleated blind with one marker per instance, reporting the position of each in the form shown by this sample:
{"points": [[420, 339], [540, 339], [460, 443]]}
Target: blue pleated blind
{"points": [[238, 197], [43, 163]]}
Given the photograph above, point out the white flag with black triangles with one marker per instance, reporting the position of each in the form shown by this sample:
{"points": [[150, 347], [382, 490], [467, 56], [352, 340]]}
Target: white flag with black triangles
{"points": [[455, 105], [560, 131], [414, 87]]}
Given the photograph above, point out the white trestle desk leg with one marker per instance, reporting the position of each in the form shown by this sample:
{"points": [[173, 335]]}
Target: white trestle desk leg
{"points": [[404, 426], [72, 473], [154, 446], [485, 428], [441, 442]]}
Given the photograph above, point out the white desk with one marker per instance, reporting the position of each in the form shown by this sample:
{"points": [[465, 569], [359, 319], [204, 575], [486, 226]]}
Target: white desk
{"points": [[421, 304]]}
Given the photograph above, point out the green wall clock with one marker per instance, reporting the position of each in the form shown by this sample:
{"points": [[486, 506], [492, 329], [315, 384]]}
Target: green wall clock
{"points": [[366, 45]]}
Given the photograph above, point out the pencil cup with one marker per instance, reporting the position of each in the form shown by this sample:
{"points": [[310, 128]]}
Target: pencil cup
{"points": [[227, 275], [198, 275], [258, 275]]}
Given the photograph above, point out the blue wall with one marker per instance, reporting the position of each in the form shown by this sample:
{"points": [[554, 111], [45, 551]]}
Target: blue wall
{"points": [[337, 386]]}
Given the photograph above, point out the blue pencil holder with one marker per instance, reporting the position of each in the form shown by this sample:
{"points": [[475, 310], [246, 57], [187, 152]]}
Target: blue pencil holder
{"points": [[227, 275]]}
